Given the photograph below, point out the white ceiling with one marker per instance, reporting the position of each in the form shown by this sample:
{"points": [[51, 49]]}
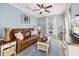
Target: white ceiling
{"points": [[58, 8]]}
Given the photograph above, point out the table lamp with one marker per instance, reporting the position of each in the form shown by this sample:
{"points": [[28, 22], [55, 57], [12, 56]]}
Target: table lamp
{"points": [[39, 29]]}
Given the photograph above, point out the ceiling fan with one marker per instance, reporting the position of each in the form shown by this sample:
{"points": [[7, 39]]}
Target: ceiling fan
{"points": [[42, 8]]}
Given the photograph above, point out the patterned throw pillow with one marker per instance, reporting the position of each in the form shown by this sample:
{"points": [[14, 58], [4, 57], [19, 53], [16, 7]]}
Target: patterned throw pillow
{"points": [[19, 35]]}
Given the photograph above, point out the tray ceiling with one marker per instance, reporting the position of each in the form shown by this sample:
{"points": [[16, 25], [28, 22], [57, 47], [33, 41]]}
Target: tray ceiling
{"points": [[58, 8]]}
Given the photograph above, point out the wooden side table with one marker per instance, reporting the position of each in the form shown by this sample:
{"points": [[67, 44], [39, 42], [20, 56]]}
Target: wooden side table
{"points": [[7, 48], [43, 45], [42, 39]]}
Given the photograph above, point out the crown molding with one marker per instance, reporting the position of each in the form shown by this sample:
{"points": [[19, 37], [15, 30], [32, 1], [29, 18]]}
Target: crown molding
{"points": [[22, 9]]}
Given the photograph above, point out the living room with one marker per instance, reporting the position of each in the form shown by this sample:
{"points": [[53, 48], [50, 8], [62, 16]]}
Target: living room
{"points": [[23, 25]]}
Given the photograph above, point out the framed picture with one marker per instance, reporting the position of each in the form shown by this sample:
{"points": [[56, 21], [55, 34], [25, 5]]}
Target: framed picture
{"points": [[25, 19]]}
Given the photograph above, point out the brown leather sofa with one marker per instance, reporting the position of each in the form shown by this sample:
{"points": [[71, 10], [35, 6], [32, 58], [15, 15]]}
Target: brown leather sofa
{"points": [[27, 41]]}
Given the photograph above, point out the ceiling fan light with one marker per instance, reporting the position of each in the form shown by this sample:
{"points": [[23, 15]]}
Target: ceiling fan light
{"points": [[42, 9]]}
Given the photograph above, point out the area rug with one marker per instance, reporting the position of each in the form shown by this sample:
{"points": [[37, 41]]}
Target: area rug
{"points": [[33, 51]]}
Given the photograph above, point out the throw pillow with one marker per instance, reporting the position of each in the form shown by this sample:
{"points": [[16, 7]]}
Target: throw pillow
{"points": [[35, 32], [19, 35]]}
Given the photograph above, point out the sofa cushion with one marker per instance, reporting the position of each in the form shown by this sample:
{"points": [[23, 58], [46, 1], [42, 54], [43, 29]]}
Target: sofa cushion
{"points": [[27, 39], [17, 30], [26, 34]]}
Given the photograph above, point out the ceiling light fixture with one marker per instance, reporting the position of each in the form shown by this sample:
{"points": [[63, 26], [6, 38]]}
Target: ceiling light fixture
{"points": [[42, 9]]}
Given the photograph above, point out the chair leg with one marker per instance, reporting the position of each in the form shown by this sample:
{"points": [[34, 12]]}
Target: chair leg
{"points": [[47, 53]]}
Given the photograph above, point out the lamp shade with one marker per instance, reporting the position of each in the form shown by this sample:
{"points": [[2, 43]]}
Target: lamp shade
{"points": [[39, 27]]}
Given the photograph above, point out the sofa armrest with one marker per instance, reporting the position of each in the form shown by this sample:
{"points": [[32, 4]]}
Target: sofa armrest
{"points": [[18, 45]]}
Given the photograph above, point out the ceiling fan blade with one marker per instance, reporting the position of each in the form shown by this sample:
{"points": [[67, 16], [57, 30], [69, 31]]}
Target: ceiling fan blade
{"points": [[36, 10], [39, 5], [42, 6], [40, 12], [48, 6], [47, 11]]}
